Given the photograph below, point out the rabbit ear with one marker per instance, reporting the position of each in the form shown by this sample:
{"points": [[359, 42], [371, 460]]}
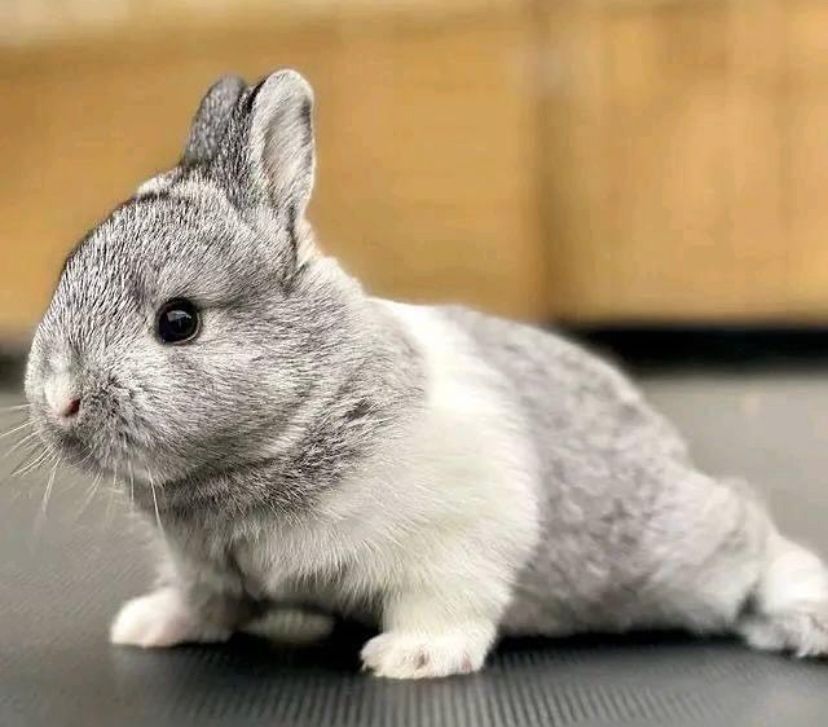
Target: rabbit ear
{"points": [[211, 120], [280, 148]]}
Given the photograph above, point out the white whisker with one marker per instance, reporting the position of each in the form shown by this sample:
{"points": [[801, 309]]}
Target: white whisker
{"points": [[155, 503], [16, 429], [35, 460], [131, 484], [16, 407], [91, 492], [27, 438], [112, 490], [48, 492]]}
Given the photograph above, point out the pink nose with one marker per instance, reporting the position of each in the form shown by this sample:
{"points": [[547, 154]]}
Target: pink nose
{"points": [[70, 408], [62, 395]]}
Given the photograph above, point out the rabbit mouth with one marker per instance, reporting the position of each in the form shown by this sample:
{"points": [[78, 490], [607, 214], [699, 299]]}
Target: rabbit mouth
{"points": [[117, 455], [72, 448]]}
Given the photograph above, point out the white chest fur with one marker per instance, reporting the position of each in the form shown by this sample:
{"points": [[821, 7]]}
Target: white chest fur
{"points": [[457, 480]]}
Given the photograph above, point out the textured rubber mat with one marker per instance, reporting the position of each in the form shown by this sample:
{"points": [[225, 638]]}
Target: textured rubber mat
{"points": [[63, 575]]}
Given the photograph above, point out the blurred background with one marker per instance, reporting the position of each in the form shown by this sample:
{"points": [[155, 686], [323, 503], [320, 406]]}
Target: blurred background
{"points": [[591, 162]]}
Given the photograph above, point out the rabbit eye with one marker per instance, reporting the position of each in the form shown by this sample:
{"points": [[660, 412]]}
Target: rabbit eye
{"points": [[178, 321]]}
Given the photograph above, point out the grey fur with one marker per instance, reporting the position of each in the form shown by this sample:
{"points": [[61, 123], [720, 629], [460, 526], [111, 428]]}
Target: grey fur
{"points": [[212, 119], [298, 378], [619, 470]]}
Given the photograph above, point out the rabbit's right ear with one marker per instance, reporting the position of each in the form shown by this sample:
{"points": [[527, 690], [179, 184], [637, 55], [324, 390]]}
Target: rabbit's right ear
{"points": [[212, 119], [280, 147], [259, 143]]}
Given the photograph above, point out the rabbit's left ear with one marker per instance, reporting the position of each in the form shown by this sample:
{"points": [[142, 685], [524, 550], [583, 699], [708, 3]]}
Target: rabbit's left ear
{"points": [[280, 147], [212, 119]]}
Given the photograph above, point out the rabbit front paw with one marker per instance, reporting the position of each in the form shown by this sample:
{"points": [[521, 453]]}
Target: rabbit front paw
{"points": [[403, 655], [161, 619]]}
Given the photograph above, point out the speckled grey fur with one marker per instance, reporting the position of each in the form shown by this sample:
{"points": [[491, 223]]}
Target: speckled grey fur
{"points": [[615, 468], [299, 383]]}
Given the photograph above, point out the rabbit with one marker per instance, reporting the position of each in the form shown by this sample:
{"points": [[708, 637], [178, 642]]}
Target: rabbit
{"points": [[301, 447]]}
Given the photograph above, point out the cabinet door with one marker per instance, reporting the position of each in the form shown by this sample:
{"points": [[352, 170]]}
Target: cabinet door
{"points": [[685, 160]]}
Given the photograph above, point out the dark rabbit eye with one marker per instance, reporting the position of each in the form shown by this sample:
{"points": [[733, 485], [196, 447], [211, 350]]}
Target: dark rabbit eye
{"points": [[178, 321]]}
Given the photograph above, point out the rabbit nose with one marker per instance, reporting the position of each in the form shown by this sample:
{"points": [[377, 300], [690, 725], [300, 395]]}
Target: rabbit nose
{"points": [[70, 408], [62, 396]]}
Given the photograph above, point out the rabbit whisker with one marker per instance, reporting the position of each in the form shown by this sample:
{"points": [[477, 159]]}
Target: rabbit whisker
{"points": [[90, 493], [33, 459], [155, 504], [48, 492], [16, 429], [131, 484], [16, 407], [24, 440]]}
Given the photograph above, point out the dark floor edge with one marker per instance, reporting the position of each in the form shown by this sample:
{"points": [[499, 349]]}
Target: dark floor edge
{"points": [[651, 346]]}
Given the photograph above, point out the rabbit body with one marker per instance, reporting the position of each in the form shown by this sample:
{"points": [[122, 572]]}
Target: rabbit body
{"points": [[445, 475]]}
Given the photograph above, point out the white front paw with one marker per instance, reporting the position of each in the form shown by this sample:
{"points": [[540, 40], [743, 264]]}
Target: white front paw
{"points": [[413, 655], [160, 619]]}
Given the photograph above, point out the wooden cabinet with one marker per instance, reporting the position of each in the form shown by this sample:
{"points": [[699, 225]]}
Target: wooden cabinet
{"points": [[615, 160], [686, 160]]}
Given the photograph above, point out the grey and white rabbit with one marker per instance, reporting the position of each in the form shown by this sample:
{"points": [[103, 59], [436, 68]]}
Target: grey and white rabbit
{"points": [[447, 475]]}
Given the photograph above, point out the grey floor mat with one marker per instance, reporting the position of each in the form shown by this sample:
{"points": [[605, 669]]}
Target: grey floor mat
{"points": [[63, 575]]}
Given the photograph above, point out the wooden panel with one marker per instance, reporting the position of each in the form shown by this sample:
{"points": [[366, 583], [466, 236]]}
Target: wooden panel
{"points": [[806, 140], [685, 158], [429, 188], [759, 232], [425, 146], [43, 22]]}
